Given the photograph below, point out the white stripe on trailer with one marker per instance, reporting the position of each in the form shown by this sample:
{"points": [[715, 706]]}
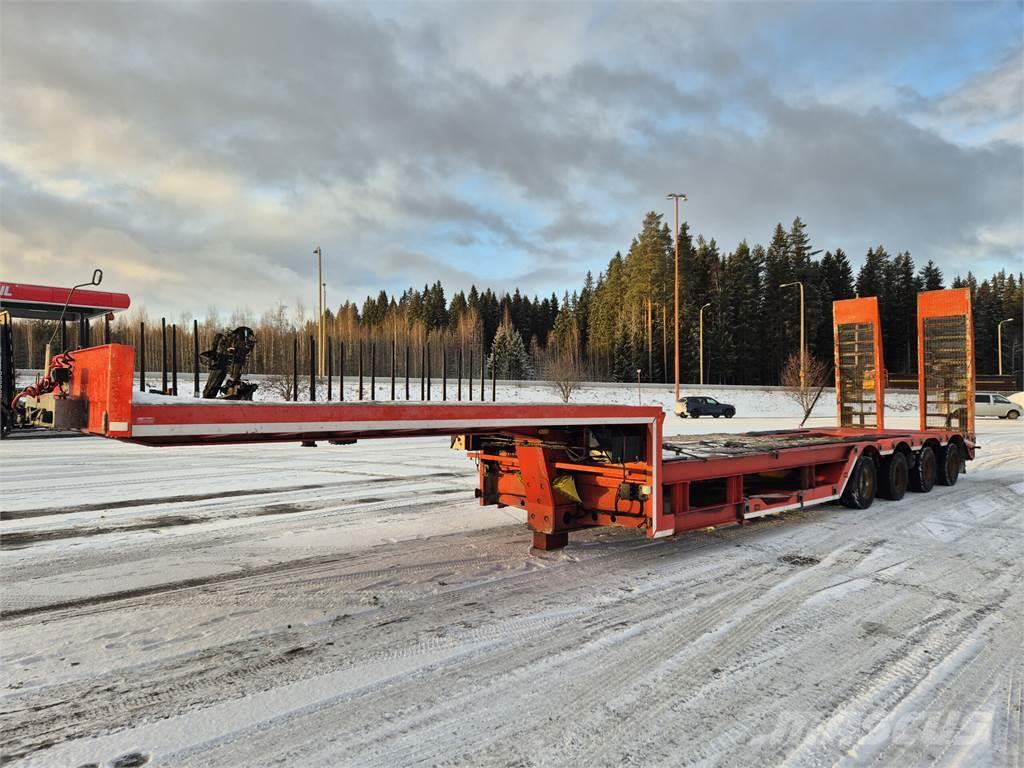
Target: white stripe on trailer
{"points": [[788, 507], [366, 427]]}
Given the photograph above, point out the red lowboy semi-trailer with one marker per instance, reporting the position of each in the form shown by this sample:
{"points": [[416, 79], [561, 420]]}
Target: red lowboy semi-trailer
{"points": [[571, 467]]}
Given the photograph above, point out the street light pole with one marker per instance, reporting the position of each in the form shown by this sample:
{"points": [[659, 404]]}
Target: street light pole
{"points": [[324, 334], [803, 346], [319, 304], [677, 196], [999, 334], [702, 342]]}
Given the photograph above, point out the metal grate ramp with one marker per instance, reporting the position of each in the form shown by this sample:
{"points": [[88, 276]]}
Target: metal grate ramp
{"points": [[858, 379], [946, 373]]}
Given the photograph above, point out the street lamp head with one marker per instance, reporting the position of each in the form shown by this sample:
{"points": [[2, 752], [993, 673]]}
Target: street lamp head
{"points": [[675, 196], [705, 306], [1008, 320]]}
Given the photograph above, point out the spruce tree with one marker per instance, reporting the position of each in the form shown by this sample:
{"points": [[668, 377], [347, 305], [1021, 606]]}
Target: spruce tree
{"points": [[508, 357], [776, 307], [835, 283], [931, 277], [871, 277]]}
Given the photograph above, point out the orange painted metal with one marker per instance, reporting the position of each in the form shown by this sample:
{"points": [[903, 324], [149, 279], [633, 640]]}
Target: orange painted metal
{"points": [[859, 363], [945, 360], [542, 458], [103, 378]]}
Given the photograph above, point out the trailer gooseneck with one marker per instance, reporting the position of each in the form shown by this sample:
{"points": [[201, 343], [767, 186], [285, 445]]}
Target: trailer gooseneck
{"points": [[571, 467]]}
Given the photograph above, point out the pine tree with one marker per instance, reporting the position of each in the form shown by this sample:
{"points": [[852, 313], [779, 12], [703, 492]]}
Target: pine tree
{"points": [[703, 278], [806, 271], [624, 365], [583, 309], [835, 283], [931, 277], [776, 307], [899, 314], [741, 312], [509, 358], [871, 278]]}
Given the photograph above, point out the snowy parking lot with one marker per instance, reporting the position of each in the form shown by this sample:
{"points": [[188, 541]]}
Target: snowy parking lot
{"points": [[353, 605]]}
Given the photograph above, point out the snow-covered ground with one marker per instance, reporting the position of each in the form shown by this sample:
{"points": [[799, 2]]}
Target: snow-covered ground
{"points": [[352, 605]]}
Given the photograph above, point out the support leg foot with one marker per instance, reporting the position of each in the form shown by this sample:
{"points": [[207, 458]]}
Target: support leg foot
{"points": [[548, 541]]}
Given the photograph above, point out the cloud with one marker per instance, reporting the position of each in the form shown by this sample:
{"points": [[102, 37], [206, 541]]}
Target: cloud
{"points": [[504, 144], [987, 107]]}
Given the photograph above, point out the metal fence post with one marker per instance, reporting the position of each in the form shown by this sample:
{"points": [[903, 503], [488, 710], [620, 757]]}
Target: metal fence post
{"points": [[312, 369], [330, 366], [163, 355], [142, 357], [470, 376], [195, 358], [444, 372], [174, 359], [360, 369], [460, 375], [483, 372], [406, 370], [428, 372], [393, 356], [341, 373], [295, 368], [373, 370]]}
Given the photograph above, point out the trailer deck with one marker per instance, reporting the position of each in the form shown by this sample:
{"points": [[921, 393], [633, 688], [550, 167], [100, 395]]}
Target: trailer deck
{"points": [[576, 466]]}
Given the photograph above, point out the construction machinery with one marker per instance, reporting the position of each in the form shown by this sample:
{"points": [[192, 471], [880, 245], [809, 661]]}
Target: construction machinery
{"points": [[571, 467], [225, 362], [67, 306]]}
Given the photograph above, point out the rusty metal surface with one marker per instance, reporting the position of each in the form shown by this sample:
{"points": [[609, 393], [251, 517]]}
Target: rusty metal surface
{"points": [[714, 446]]}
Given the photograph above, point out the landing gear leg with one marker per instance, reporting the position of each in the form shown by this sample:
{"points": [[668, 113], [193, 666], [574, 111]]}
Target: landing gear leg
{"points": [[549, 541]]}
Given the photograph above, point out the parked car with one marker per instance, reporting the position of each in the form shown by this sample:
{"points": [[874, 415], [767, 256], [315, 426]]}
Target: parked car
{"points": [[991, 404], [695, 407]]}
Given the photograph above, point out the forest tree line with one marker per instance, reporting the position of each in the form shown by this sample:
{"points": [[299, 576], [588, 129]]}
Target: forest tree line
{"points": [[616, 323]]}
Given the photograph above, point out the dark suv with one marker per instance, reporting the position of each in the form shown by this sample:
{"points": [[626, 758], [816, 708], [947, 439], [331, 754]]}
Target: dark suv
{"points": [[696, 407]]}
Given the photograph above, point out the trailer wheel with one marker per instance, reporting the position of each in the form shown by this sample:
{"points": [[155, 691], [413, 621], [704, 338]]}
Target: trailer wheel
{"points": [[949, 465], [895, 477], [922, 474], [862, 485]]}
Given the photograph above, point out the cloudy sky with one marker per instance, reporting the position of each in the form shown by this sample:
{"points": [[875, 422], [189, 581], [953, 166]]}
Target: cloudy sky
{"points": [[198, 152]]}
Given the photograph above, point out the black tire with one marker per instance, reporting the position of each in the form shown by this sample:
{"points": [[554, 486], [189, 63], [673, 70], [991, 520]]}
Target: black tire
{"points": [[894, 478], [862, 485], [729, 413], [1013, 415], [717, 415], [924, 471], [949, 465], [694, 414]]}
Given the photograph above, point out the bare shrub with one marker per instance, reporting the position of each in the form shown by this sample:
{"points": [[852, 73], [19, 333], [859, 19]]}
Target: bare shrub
{"points": [[805, 391], [279, 386], [565, 372]]}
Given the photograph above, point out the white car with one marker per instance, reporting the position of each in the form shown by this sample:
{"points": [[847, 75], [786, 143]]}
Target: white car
{"points": [[991, 404]]}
